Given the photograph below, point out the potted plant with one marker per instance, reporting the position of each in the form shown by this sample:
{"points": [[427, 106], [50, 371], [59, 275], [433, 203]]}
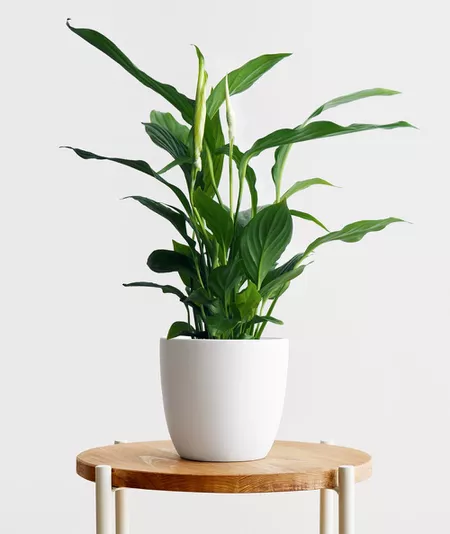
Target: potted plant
{"points": [[223, 383]]}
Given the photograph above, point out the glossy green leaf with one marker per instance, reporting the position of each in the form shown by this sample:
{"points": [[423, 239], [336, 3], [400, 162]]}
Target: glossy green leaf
{"points": [[217, 218], [277, 286], [241, 79], [352, 232], [308, 217], [175, 163], [168, 212], [315, 130], [181, 102], [258, 319], [264, 239], [282, 152], [167, 121], [247, 301], [180, 328], [225, 279], [168, 261], [304, 184], [199, 297], [165, 288], [352, 97], [219, 325], [139, 165]]}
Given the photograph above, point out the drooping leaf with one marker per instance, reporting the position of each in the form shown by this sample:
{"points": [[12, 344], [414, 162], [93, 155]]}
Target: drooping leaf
{"points": [[264, 239], [189, 252], [180, 328], [219, 325], [314, 130], [181, 102], [167, 261], [352, 232], [247, 301], [250, 175], [241, 79], [352, 97], [177, 218], [165, 288], [304, 184], [225, 279], [167, 121], [282, 152], [217, 218], [139, 165], [308, 217]]}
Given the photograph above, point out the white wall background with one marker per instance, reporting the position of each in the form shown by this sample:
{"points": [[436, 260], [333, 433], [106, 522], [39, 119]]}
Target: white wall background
{"points": [[368, 322]]}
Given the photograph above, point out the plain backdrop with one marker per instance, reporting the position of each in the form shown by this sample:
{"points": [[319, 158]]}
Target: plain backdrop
{"points": [[368, 322]]}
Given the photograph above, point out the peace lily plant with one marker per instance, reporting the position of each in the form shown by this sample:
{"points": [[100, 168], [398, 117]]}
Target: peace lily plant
{"points": [[227, 256]]}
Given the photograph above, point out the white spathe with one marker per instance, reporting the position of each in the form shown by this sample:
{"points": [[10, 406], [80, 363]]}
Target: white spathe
{"points": [[223, 399]]}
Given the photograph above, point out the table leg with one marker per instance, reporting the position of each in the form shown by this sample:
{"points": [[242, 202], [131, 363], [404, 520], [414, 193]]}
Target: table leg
{"points": [[122, 516], [327, 525], [346, 483], [103, 499]]}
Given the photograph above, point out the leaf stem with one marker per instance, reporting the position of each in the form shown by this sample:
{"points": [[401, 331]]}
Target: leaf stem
{"points": [[230, 171], [269, 313], [211, 172]]}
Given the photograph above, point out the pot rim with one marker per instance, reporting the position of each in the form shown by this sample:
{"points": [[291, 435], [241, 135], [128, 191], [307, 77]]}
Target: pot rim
{"points": [[190, 340]]}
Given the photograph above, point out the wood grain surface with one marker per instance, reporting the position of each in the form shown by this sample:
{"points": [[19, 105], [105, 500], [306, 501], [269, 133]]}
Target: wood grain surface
{"points": [[290, 466]]}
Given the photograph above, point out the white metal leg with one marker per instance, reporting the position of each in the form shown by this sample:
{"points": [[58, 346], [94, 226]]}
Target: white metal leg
{"points": [[346, 499], [327, 513], [103, 499], [122, 515]]}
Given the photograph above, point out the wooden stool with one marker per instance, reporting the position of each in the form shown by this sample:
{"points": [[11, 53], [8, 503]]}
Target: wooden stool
{"points": [[290, 466]]}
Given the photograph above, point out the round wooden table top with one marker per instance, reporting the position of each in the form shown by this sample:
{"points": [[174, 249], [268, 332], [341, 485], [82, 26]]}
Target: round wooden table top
{"points": [[290, 466]]}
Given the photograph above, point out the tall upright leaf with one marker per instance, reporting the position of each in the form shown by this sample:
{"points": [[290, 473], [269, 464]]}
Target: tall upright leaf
{"points": [[168, 121], [217, 218], [181, 102], [241, 79], [139, 165], [264, 239]]}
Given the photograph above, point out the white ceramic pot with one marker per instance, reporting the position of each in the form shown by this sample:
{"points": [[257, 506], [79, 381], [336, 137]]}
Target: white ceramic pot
{"points": [[223, 399]]}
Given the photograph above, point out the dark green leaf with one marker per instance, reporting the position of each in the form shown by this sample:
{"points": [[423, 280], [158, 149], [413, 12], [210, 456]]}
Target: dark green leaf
{"points": [[226, 278], [139, 165], [264, 239], [308, 217], [165, 288], [218, 325], [181, 102], [278, 285], [250, 175], [315, 130], [167, 121], [352, 232], [199, 297], [180, 328], [366, 93], [304, 184], [168, 212], [167, 261], [247, 301], [241, 79], [217, 218]]}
